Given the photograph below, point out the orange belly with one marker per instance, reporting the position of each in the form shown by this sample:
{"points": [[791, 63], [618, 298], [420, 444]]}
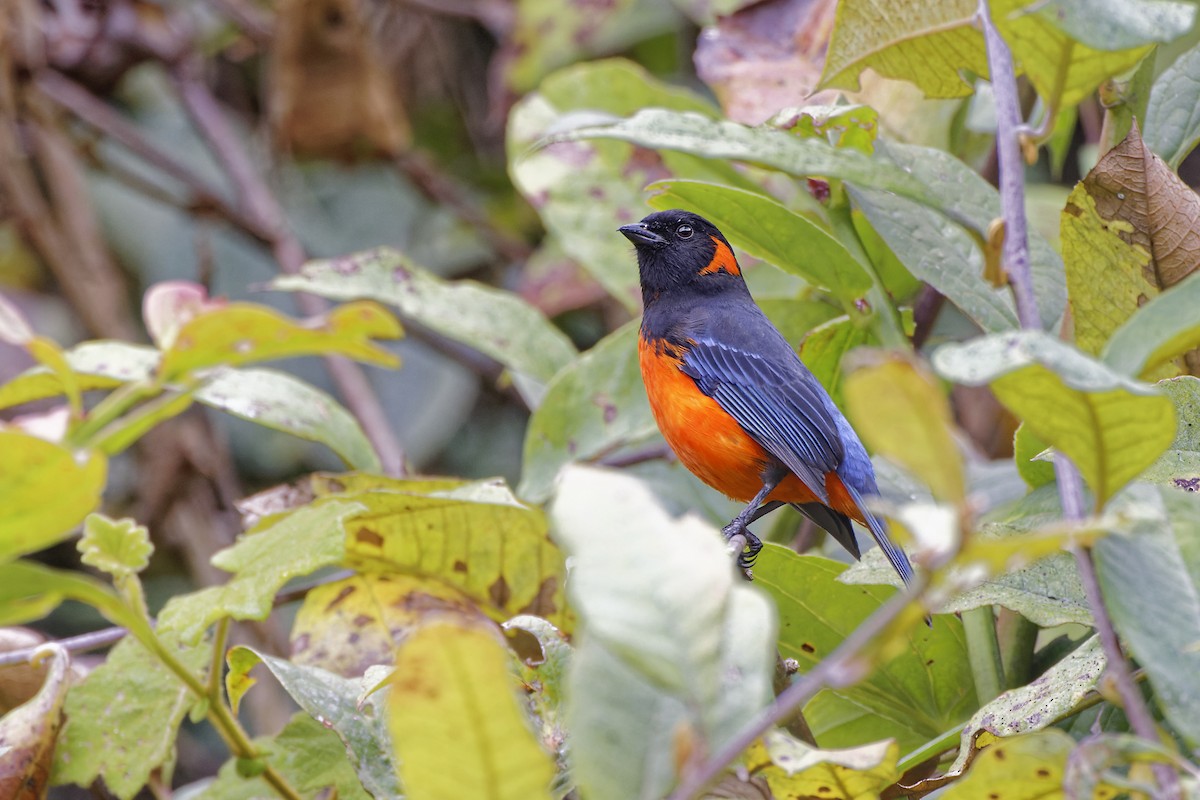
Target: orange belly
{"points": [[709, 442]]}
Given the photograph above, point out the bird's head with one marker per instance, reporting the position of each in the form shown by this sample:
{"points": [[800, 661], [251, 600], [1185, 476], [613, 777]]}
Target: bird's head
{"points": [[681, 250]]}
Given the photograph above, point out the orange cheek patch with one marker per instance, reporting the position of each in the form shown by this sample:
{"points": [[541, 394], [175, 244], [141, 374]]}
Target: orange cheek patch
{"points": [[722, 260]]}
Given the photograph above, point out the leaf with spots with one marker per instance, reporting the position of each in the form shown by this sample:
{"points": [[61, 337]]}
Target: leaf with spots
{"points": [[263, 560], [333, 702], [1129, 233], [593, 406], [496, 323], [29, 732], [924, 690], [306, 754], [97, 365], [1047, 700], [1026, 767], [797, 771], [457, 723], [473, 536], [123, 718], [349, 625], [1179, 466], [243, 333]]}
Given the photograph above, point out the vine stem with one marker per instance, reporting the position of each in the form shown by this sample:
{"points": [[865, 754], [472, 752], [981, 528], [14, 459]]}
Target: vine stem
{"points": [[1016, 262]]}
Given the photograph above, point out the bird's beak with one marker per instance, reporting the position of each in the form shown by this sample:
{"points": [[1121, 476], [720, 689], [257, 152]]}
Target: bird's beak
{"points": [[641, 236]]}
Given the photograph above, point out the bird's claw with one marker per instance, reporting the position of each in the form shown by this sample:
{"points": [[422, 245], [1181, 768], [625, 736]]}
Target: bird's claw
{"points": [[749, 553]]}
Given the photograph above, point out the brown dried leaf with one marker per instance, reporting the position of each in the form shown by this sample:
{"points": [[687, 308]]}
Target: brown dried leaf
{"points": [[330, 95], [31, 731]]}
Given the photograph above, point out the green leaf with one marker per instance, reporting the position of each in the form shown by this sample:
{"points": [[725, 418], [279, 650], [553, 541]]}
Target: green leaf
{"points": [[473, 536], [1026, 449], [1179, 466], [306, 754], [1149, 591], [122, 719], [458, 726], [263, 560], [496, 323], [585, 190], [680, 621], [768, 230], [1044, 702], [915, 696], [1172, 125], [45, 491], [1111, 427], [1158, 331], [930, 44], [243, 333], [28, 733], [1029, 766], [30, 591], [594, 405], [914, 428], [333, 702], [699, 135], [826, 346], [284, 403], [117, 547], [1119, 24]]}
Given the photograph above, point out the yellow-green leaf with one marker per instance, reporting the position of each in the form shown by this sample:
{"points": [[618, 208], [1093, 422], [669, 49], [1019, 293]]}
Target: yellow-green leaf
{"points": [[796, 771], [913, 427], [1027, 767], [242, 333], [1112, 427], [349, 625], [117, 547], [458, 726], [45, 491]]}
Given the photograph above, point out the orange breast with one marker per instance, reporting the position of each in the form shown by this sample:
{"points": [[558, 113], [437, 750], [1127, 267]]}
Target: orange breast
{"points": [[708, 441]]}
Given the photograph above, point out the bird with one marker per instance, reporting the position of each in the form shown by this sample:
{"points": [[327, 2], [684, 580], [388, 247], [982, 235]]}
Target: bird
{"points": [[733, 399]]}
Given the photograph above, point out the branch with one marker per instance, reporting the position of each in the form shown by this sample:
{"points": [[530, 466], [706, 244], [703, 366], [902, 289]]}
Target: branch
{"points": [[839, 668], [1070, 485]]}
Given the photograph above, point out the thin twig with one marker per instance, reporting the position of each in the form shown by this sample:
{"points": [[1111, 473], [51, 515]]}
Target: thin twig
{"points": [[1070, 485], [82, 643], [838, 668]]}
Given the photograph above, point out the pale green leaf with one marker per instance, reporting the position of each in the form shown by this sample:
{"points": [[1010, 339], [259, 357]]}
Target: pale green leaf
{"points": [[1045, 701], [924, 690], [494, 322], [1119, 24], [1152, 599], [117, 547], [263, 560], [1172, 125], [1027, 451], [123, 718], [332, 701], [680, 621], [768, 230], [825, 347], [457, 723], [285, 403], [1157, 332], [595, 404], [306, 754], [1110, 426], [45, 491]]}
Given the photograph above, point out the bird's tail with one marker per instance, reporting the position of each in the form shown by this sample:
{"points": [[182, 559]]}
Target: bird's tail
{"points": [[878, 528]]}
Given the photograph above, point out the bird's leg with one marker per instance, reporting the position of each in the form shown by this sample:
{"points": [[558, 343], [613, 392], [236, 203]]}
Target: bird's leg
{"points": [[755, 509]]}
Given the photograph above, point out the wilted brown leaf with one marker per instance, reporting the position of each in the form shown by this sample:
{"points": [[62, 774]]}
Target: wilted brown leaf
{"points": [[31, 731], [330, 95]]}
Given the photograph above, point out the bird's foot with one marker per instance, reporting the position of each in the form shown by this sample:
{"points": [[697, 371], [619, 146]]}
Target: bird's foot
{"points": [[748, 553]]}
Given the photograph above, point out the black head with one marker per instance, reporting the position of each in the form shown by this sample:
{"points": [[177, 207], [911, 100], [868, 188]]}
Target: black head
{"points": [[677, 250]]}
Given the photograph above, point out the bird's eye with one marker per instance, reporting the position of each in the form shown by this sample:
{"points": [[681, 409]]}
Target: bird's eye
{"points": [[684, 231]]}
